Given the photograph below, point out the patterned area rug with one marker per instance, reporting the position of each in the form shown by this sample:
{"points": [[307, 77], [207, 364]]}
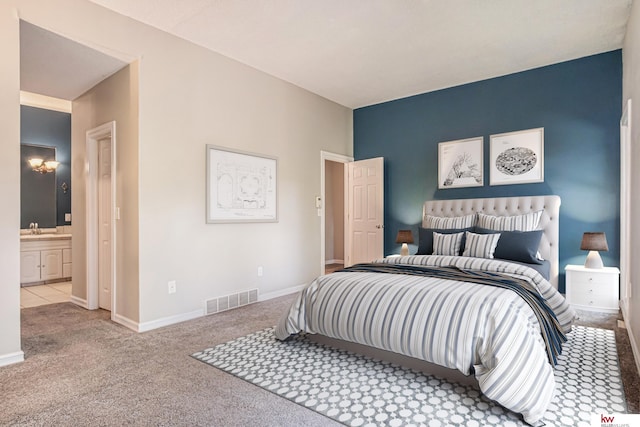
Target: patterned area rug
{"points": [[356, 390]]}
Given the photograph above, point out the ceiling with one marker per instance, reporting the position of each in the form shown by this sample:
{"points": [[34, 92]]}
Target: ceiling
{"points": [[363, 52], [56, 66]]}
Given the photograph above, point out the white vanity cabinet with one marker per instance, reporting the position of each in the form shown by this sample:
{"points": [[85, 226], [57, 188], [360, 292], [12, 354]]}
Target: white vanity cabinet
{"points": [[43, 260]]}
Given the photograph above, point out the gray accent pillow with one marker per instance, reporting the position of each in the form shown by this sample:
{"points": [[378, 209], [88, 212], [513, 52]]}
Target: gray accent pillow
{"points": [[521, 246]]}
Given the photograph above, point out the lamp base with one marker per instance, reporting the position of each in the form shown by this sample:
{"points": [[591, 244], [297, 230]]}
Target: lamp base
{"points": [[404, 251], [593, 260]]}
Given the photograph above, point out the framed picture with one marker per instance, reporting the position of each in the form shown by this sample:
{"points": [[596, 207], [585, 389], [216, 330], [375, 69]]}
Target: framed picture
{"points": [[517, 157], [241, 186], [460, 163]]}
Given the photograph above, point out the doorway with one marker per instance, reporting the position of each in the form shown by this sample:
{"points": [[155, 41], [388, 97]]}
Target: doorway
{"points": [[331, 209], [101, 216], [334, 216]]}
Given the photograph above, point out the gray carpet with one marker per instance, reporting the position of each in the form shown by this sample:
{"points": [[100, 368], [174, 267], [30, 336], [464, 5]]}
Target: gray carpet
{"points": [[358, 390], [82, 369]]}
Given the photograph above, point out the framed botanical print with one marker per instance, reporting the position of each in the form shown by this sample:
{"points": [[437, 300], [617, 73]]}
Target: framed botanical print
{"points": [[460, 163]]}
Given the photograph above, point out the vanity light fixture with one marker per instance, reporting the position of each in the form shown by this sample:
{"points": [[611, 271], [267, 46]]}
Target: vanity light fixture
{"points": [[43, 166]]}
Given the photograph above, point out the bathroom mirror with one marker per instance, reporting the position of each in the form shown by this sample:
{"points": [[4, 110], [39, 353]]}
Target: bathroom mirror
{"points": [[37, 190]]}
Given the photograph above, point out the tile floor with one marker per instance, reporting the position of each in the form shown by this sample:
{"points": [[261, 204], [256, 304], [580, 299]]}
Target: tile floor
{"points": [[33, 296]]}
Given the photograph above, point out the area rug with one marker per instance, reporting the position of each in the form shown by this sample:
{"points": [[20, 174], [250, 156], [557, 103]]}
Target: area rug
{"points": [[356, 390]]}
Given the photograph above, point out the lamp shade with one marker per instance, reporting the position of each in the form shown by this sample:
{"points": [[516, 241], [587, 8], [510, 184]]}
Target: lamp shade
{"points": [[404, 236], [594, 241]]}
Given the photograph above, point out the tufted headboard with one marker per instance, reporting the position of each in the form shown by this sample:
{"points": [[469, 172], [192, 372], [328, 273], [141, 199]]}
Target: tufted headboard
{"points": [[506, 206]]}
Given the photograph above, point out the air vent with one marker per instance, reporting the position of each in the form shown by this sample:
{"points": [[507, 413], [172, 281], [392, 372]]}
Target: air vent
{"points": [[253, 296], [227, 302], [211, 306]]}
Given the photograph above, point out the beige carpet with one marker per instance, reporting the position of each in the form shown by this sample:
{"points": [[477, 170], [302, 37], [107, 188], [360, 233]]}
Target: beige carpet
{"points": [[82, 369]]}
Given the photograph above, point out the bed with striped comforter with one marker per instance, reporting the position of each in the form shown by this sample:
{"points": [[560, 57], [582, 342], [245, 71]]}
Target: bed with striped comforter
{"points": [[485, 330]]}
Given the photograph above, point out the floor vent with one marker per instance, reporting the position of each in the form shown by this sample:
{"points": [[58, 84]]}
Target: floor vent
{"points": [[227, 302]]}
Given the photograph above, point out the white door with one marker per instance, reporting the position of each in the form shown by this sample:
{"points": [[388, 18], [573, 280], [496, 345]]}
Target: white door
{"points": [[104, 221], [29, 266], [365, 211], [625, 206], [51, 264]]}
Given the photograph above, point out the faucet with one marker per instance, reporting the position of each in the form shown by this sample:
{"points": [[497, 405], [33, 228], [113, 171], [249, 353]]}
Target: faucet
{"points": [[33, 227]]}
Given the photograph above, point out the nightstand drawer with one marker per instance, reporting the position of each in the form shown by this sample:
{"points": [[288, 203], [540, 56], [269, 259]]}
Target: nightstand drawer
{"points": [[591, 290], [594, 301], [589, 278]]}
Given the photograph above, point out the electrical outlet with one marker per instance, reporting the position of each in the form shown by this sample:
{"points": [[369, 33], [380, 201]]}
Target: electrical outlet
{"points": [[172, 286], [260, 271]]}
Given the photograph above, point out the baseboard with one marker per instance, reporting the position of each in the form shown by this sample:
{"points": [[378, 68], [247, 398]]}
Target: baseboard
{"points": [[170, 320], [183, 317], [11, 358], [334, 261], [632, 340], [281, 293], [125, 321], [79, 301]]}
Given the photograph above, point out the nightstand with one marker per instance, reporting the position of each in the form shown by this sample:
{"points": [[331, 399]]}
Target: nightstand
{"points": [[593, 289]]}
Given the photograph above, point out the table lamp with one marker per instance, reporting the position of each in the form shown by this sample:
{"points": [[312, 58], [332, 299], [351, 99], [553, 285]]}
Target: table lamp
{"points": [[594, 242], [404, 237]]}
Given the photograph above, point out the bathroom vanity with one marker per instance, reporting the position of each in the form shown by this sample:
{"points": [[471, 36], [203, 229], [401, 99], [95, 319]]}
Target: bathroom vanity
{"points": [[44, 257]]}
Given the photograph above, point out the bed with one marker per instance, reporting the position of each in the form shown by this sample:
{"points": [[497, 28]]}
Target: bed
{"points": [[497, 319]]}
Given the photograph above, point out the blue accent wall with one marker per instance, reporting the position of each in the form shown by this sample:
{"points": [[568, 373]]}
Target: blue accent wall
{"points": [[50, 128], [578, 103]]}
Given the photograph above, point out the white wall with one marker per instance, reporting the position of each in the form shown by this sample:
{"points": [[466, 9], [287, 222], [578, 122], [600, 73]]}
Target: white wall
{"points": [[114, 99], [10, 189], [188, 97], [631, 90]]}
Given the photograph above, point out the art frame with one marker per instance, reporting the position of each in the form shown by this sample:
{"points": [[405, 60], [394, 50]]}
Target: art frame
{"points": [[517, 157], [460, 163], [241, 186]]}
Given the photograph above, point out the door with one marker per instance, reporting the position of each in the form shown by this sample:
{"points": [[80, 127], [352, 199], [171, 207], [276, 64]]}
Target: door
{"points": [[104, 223], [29, 266], [365, 211], [625, 207], [51, 264], [101, 213]]}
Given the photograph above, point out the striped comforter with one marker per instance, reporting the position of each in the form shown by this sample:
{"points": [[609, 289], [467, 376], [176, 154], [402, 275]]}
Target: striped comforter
{"points": [[487, 330]]}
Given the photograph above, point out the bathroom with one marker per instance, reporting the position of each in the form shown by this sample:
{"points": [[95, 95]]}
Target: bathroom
{"points": [[45, 215]]}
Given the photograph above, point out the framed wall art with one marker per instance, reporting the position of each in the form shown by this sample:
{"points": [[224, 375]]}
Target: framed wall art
{"points": [[517, 157], [460, 163], [241, 186]]}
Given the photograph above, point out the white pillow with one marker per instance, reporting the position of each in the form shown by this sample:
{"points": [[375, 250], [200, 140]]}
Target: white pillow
{"points": [[450, 222], [447, 244], [480, 245], [524, 222]]}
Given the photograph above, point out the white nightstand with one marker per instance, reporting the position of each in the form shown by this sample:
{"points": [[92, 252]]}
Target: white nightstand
{"points": [[593, 289]]}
